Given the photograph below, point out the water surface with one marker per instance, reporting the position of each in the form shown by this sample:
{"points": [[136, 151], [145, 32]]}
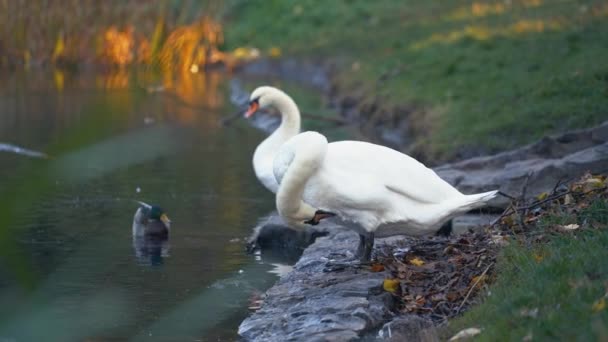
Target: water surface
{"points": [[68, 268]]}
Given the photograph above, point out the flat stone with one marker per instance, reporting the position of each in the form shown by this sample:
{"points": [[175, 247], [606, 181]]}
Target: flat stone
{"points": [[310, 304], [561, 157]]}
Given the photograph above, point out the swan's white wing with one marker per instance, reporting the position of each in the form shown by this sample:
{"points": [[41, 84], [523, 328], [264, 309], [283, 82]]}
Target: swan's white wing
{"points": [[373, 169]]}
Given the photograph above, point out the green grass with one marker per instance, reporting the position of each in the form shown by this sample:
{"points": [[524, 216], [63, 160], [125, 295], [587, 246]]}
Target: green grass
{"points": [[489, 76], [562, 279]]}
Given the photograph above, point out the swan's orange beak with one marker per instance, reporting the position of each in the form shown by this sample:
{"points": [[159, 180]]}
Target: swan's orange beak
{"points": [[253, 107]]}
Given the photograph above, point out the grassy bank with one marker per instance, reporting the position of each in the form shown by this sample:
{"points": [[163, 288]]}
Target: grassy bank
{"points": [[552, 288], [477, 77]]}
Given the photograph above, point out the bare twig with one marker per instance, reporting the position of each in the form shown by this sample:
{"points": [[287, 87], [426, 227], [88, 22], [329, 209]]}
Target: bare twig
{"points": [[472, 287], [507, 211], [507, 195], [522, 199]]}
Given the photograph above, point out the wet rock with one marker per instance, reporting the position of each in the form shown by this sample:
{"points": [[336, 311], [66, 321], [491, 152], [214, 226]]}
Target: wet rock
{"points": [[313, 305], [409, 328], [563, 157], [272, 236]]}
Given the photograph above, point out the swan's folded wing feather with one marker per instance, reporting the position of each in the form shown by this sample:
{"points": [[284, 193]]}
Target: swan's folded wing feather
{"points": [[397, 172]]}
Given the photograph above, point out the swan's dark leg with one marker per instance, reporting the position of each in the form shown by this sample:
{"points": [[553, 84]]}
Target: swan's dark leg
{"points": [[366, 244], [445, 230], [362, 257]]}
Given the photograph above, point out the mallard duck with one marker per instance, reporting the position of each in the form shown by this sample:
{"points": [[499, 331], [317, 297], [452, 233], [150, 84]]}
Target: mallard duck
{"points": [[150, 234], [150, 221]]}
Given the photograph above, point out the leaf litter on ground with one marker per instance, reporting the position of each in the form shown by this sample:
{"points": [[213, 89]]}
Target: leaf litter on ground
{"points": [[438, 278]]}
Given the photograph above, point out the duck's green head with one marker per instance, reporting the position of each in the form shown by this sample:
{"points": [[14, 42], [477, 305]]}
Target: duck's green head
{"points": [[156, 213]]}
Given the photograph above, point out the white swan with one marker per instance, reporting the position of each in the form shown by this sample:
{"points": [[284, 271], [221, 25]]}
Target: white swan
{"points": [[263, 156], [367, 184]]}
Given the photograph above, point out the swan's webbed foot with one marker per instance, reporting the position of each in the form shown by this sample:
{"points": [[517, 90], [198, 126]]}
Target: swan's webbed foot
{"points": [[361, 259], [319, 215]]}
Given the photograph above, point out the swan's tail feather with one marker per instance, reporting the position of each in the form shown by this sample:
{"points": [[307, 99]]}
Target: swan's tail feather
{"points": [[481, 199], [469, 202]]}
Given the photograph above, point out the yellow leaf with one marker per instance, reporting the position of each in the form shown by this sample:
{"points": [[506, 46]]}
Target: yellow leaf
{"points": [[595, 182], [538, 257], [417, 261], [542, 196], [599, 305], [390, 285]]}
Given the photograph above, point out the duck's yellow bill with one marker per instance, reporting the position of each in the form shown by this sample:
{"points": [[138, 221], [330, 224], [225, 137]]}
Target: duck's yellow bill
{"points": [[165, 219]]}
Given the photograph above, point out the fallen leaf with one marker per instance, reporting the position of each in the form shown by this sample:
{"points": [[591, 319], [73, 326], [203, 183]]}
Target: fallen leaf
{"points": [[538, 257], [500, 240], [528, 337], [573, 226], [377, 267], [465, 334], [390, 285], [599, 305], [594, 182], [478, 281], [417, 261], [542, 196], [568, 199]]}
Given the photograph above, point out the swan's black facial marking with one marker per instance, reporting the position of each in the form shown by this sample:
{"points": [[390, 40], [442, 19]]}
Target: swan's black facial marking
{"points": [[319, 215], [256, 101]]}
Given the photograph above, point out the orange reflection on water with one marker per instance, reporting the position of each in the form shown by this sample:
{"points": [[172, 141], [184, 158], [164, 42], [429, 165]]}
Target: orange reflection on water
{"points": [[115, 79], [191, 95]]}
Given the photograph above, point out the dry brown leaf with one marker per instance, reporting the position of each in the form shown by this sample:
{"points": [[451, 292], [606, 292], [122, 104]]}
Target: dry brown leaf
{"points": [[417, 261], [465, 334], [538, 257], [377, 267], [568, 199], [390, 285], [478, 280]]}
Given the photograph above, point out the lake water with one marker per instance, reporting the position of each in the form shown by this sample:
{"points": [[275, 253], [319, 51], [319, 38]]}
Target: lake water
{"points": [[68, 268]]}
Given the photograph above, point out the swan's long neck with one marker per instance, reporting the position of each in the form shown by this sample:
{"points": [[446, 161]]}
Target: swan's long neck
{"points": [[266, 151], [303, 156], [290, 118]]}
